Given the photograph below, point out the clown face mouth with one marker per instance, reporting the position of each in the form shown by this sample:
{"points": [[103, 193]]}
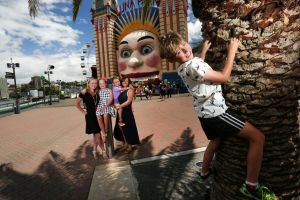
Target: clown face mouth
{"points": [[141, 75]]}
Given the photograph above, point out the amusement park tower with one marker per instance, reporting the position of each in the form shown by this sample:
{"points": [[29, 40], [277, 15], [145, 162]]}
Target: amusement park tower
{"points": [[172, 17]]}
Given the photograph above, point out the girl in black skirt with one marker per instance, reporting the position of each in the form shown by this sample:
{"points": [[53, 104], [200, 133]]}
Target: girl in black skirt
{"points": [[90, 99]]}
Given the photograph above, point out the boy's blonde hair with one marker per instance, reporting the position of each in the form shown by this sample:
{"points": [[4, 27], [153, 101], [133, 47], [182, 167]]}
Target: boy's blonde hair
{"points": [[169, 45]]}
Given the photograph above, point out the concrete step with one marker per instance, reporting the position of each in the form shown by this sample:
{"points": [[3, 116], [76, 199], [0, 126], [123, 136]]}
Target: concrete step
{"points": [[113, 181]]}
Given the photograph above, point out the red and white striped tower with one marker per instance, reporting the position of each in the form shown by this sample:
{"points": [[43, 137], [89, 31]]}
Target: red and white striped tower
{"points": [[104, 15], [173, 17]]}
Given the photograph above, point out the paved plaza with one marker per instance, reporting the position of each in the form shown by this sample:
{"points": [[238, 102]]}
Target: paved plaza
{"points": [[45, 154]]}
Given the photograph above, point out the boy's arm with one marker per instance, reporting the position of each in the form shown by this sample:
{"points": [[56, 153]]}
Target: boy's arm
{"points": [[205, 47], [223, 76]]}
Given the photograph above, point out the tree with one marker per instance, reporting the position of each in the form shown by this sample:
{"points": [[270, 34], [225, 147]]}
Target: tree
{"points": [[264, 87], [33, 6]]}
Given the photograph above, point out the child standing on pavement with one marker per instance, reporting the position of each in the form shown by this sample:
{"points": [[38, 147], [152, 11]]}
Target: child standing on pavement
{"points": [[217, 121], [117, 89], [104, 107]]}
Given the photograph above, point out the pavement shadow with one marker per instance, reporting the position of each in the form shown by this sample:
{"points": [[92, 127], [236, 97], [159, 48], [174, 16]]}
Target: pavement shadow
{"points": [[145, 149], [56, 177], [171, 178]]}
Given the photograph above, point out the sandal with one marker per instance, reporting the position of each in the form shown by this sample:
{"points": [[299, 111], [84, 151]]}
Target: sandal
{"points": [[121, 124], [128, 150], [95, 154], [104, 155], [124, 147]]}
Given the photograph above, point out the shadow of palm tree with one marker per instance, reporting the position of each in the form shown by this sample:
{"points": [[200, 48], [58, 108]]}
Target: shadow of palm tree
{"points": [[171, 178], [56, 177], [143, 150]]}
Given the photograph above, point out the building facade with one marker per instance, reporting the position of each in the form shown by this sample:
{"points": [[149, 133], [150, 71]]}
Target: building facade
{"points": [[36, 82], [172, 17], [3, 89]]}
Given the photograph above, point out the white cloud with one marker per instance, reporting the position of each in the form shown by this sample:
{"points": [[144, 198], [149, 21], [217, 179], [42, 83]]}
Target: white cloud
{"points": [[195, 33], [36, 43], [82, 21], [194, 27], [67, 66], [45, 28], [65, 9]]}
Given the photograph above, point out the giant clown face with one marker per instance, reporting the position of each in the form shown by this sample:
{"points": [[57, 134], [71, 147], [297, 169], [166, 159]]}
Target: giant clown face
{"points": [[138, 55]]}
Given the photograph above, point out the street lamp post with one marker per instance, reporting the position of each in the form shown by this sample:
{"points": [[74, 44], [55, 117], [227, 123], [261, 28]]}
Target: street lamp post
{"points": [[59, 88], [48, 72], [13, 66], [43, 82]]}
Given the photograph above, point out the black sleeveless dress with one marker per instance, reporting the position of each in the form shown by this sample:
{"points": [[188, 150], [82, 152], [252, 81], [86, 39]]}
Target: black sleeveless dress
{"points": [[130, 130], [90, 103]]}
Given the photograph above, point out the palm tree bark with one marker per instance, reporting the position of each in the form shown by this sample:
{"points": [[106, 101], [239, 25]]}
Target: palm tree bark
{"points": [[264, 87]]}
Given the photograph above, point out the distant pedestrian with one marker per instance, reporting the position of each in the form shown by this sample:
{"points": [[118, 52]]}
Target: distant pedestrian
{"points": [[90, 99], [128, 133], [177, 88], [169, 90], [141, 90], [163, 90], [146, 89], [150, 93], [151, 88]]}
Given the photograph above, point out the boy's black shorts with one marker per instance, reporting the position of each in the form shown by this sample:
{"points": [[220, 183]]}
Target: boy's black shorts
{"points": [[226, 125]]}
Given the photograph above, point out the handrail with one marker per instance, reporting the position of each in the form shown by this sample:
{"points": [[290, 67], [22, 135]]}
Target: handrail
{"points": [[4, 105]]}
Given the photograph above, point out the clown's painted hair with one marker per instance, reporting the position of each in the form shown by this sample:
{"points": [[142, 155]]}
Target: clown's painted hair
{"points": [[131, 21]]}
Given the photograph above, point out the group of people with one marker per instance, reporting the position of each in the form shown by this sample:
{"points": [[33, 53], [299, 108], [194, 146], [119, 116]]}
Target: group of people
{"points": [[204, 84], [165, 90], [140, 90], [98, 103]]}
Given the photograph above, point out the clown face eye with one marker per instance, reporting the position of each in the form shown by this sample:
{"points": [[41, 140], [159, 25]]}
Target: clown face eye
{"points": [[146, 50], [125, 53]]}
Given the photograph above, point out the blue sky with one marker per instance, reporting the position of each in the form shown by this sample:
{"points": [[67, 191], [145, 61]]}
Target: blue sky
{"points": [[52, 38]]}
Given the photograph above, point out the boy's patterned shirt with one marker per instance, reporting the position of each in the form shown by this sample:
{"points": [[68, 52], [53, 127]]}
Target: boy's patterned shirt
{"points": [[207, 97]]}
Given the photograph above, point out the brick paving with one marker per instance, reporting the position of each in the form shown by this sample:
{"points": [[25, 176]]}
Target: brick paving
{"points": [[173, 178], [44, 153]]}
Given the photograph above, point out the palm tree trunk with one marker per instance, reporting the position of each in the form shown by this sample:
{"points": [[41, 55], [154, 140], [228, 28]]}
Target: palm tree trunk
{"points": [[264, 87]]}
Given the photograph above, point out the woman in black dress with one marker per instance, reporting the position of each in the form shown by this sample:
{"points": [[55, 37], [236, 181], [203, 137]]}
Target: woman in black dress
{"points": [[90, 99], [128, 133]]}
